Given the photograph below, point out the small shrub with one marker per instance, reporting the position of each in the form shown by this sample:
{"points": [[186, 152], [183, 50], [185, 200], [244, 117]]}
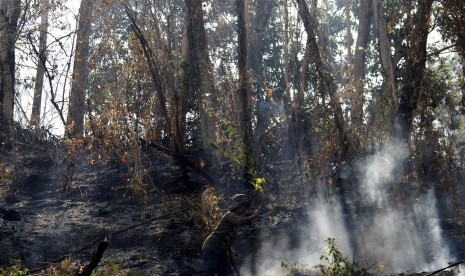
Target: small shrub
{"points": [[7, 175], [15, 269], [68, 267], [292, 268], [337, 264], [257, 182], [209, 207], [112, 269]]}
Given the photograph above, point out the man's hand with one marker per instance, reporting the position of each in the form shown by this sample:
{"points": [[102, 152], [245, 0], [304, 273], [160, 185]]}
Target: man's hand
{"points": [[255, 215]]}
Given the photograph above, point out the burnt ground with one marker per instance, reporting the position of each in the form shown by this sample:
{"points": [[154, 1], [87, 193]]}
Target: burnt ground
{"points": [[46, 216]]}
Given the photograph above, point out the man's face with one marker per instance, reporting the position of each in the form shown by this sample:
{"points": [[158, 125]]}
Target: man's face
{"points": [[241, 210]]}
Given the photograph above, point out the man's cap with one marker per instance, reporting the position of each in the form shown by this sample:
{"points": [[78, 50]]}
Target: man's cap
{"points": [[239, 200]]}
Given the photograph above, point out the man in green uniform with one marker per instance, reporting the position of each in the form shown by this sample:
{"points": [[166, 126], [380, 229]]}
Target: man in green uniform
{"points": [[216, 250]]}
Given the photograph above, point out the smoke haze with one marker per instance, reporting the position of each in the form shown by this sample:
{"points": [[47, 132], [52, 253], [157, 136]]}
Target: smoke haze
{"points": [[387, 231]]}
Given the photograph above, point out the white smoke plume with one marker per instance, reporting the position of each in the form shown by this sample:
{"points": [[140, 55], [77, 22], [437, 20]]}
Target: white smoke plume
{"points": [[391, 232]]}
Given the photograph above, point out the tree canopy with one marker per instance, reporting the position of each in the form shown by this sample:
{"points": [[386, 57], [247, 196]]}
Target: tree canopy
{"points": [[248, 85]]}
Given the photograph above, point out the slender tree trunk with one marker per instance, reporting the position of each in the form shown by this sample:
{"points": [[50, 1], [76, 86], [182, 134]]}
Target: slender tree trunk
{"points": [[384, 48], [9, 14], [415, 61], [349, 38], [307, 56], [290, 110], [359, 60], [286, 61], [325, 74], [349, 72], [182, 94], [244, 93], [75, 119], [297, 126], [261, 20], [42, 58], [201, 67], [263, 10], [304, 74], [154, 71], [462, 86]]}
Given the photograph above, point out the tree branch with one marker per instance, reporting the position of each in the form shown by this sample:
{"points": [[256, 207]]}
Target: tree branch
{"points": [[440, 51], [96, 257]]}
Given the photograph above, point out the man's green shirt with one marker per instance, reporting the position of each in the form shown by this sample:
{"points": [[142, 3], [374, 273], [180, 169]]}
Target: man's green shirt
{"points": [[225, 232]]}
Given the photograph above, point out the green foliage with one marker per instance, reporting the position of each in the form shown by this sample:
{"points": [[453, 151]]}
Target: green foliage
{"points": [[67, 267], [15, 269], [240, 157], [257, 182], [337, 264], [292, 268]]}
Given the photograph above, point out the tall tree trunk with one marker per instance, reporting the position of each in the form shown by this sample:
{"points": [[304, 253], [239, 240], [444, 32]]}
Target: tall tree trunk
{"points": [[349, 38], [384, 48], [9, 14], [349, 75], [307, 56], [263, 10], [303, 79], [287, 88], [42, 58], [201, 80], [415, 61], [361, 46], [244, 93], [325, 74], [462, 86], [290, 110], [154, 71], [261, 20], [75, 119]]}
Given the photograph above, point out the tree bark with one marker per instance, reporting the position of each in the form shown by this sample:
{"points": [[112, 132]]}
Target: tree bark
{"points": [[307, 56], [154, 71], [262, 15], [349, 38], [415, 61], [261, 21], [75, 119], [201, 76], [325, 74], [287, 88], [9, 14], [385, 55], [42, 58], [361, 46], [244, 93]]}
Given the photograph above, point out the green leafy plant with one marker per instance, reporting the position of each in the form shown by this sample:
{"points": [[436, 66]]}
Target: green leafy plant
{"points": [[15, 269], [337, 264], [292, 268], [257, 182]]}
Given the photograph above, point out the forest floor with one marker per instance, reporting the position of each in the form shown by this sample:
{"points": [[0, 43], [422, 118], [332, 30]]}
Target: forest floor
{"points": [[52, 211], [48, 216]]}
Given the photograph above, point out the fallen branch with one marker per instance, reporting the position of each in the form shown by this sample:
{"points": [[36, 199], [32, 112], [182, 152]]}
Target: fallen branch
{"points": [[91, 244], [442, 269], [96, 257]]}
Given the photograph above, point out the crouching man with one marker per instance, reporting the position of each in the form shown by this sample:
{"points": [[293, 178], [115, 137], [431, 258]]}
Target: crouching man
{"points": [[216, 250]]}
